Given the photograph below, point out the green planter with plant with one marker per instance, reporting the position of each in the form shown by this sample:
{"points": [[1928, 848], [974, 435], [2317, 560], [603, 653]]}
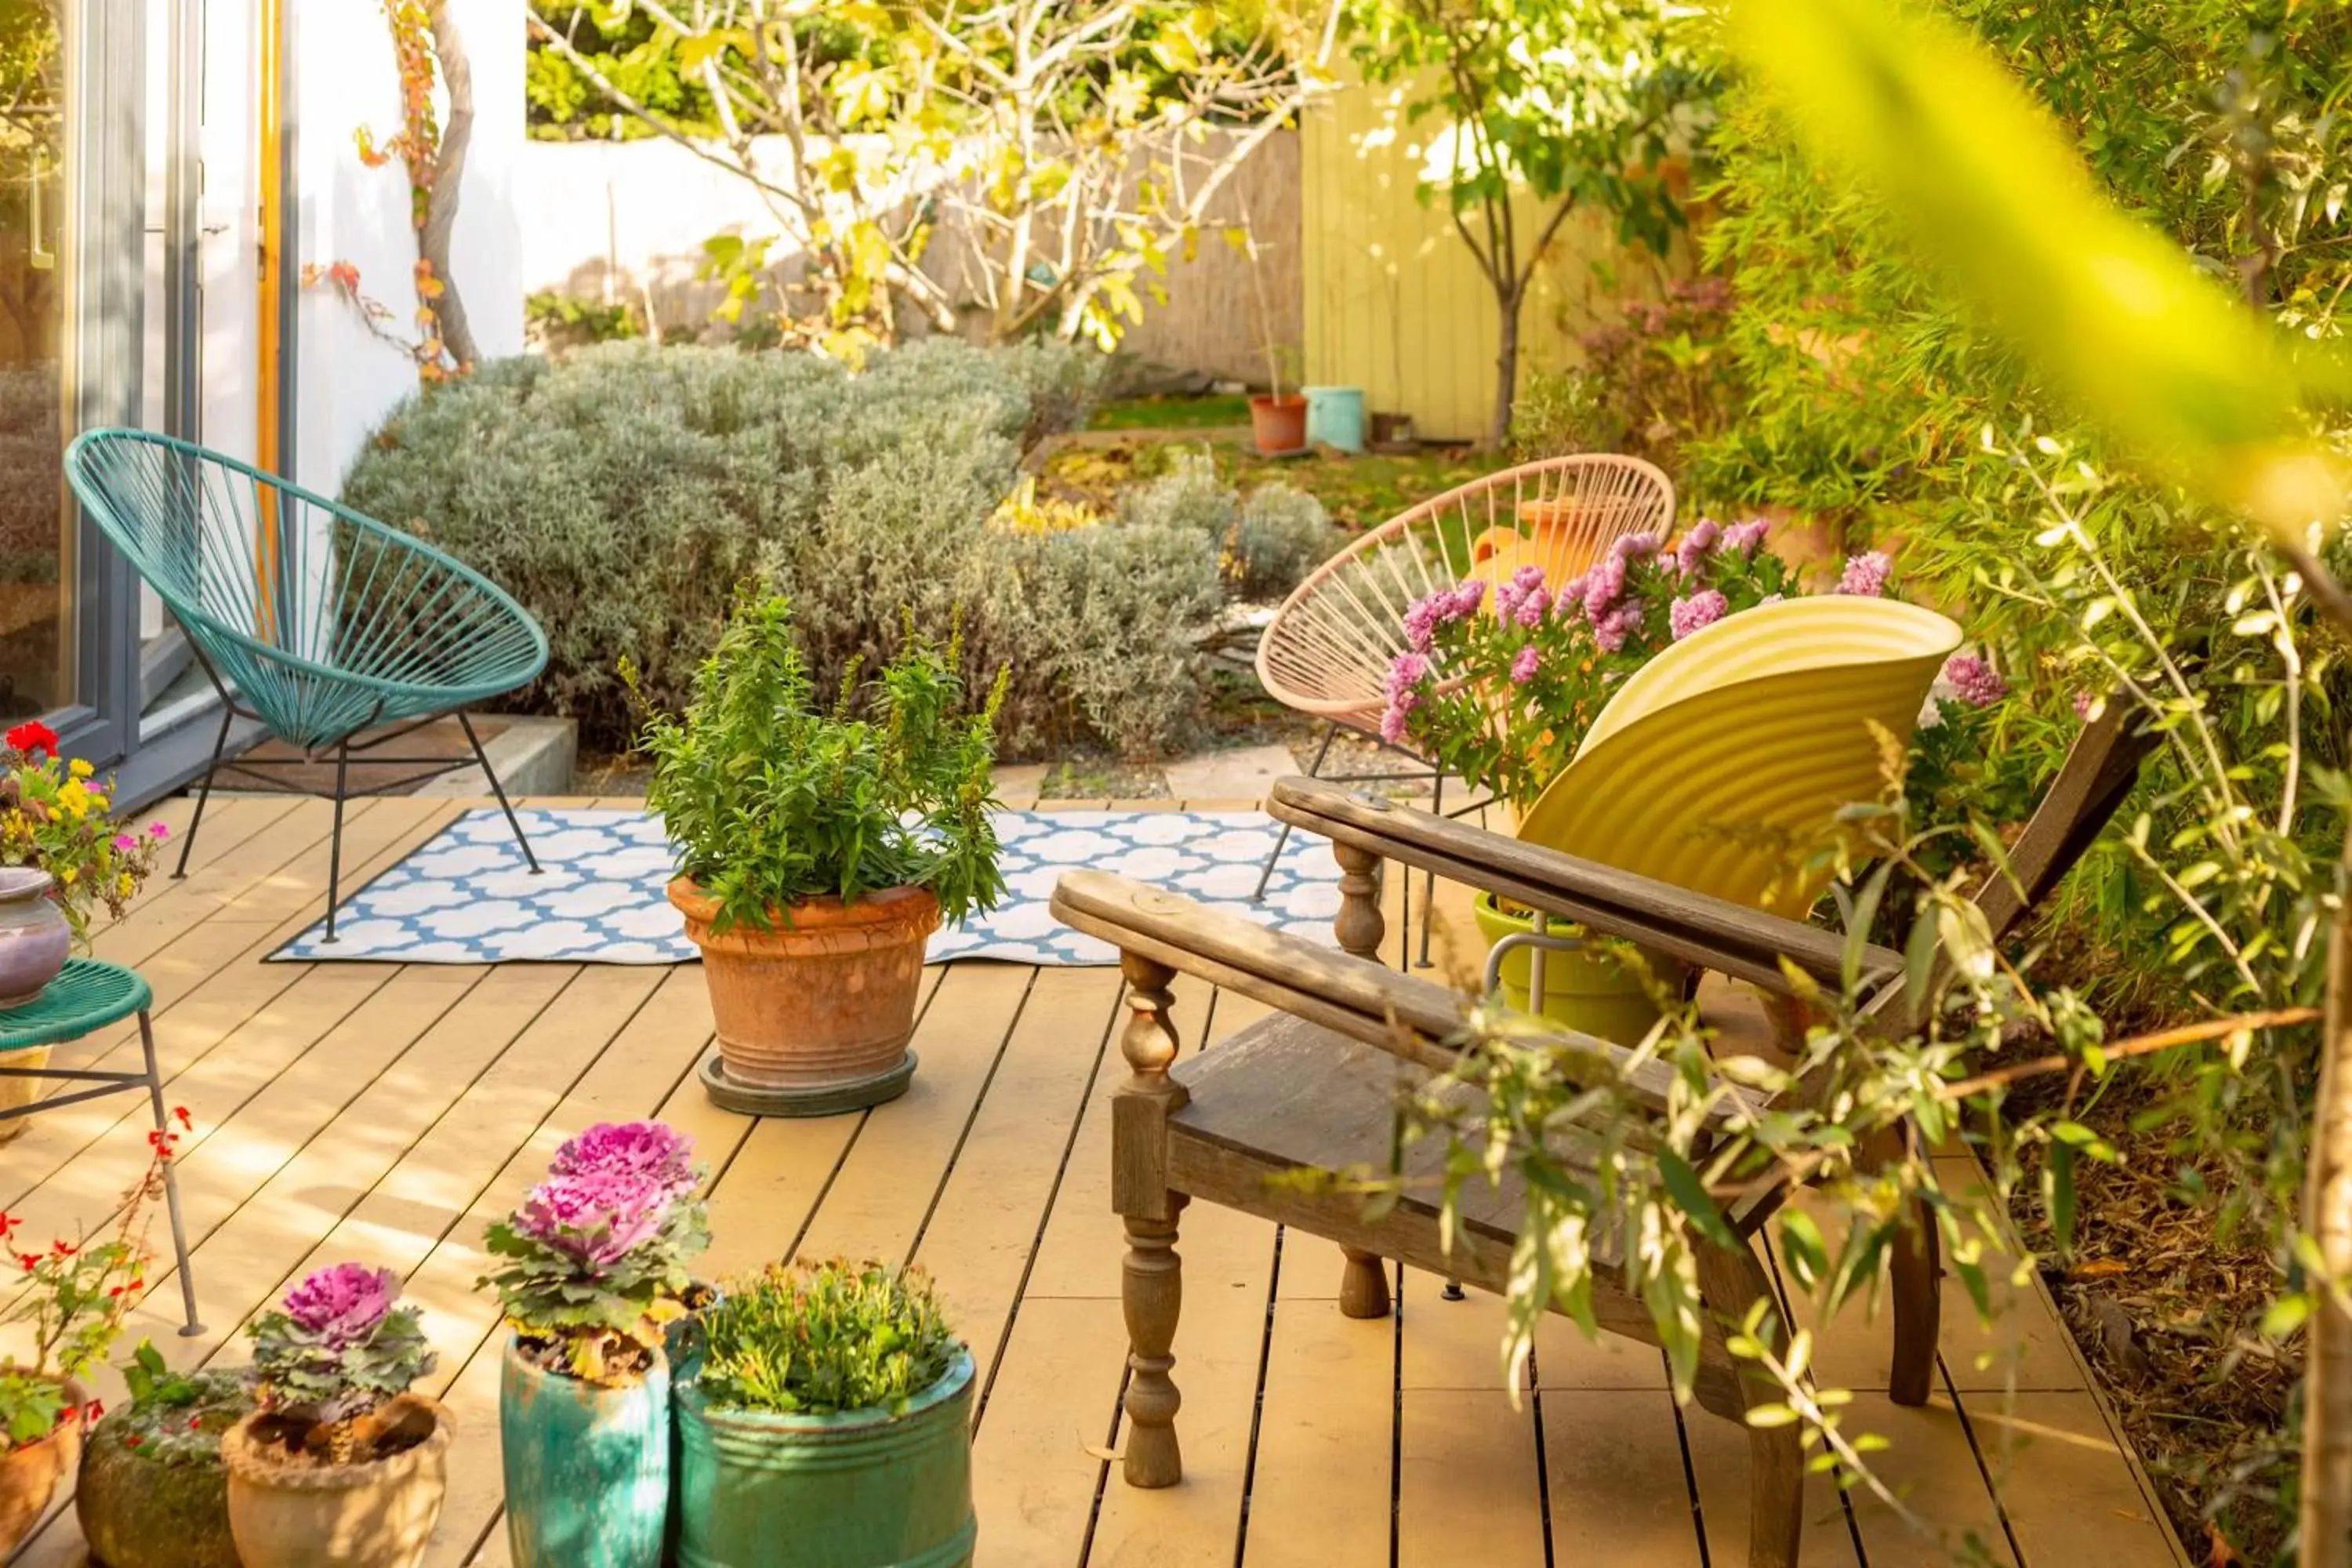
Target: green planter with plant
{"points": [[340, 1466], [819, 844], [592, 1274], [154, 1490], [828, 1424]]}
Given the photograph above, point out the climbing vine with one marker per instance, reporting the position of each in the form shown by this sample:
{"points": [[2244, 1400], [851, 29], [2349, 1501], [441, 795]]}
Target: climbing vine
{"points": [[427, 48]]}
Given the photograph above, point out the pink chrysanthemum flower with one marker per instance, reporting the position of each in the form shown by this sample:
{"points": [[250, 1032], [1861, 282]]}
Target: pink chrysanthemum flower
{"points": [[1392, 721], [1866, 576], [1977, 683], [1530, 613], [1603, 586], [1610, 630], [1524, 667], [1421, 622], [1687, 616], [1634, 546], [1746, 538], [1697, 546]]}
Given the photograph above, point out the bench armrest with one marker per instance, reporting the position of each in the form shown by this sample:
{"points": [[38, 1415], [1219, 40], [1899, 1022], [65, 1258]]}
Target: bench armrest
{"points": [[1710, 932]]}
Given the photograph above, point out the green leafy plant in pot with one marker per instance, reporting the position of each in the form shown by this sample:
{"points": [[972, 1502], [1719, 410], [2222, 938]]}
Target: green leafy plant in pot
{"points": [[592, 1273], [154, 1490], [76, 1294], [819, 844], [340, 1463], [828, 1423]]}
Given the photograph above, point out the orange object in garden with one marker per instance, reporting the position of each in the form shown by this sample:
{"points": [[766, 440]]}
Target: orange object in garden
{"points": [[813, 1017], [1563, 536]]}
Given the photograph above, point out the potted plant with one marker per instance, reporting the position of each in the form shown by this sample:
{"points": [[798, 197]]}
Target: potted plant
{"points": [[340, 1464], [75, 1295], [152, 1491], [828, 1423], [1278, 422], [61, 859], [819, 844], [1503, 693], [592, 1271]]}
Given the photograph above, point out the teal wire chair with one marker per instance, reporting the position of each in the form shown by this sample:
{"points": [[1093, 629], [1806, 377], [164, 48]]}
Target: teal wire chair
{"points": [[339, 634]]}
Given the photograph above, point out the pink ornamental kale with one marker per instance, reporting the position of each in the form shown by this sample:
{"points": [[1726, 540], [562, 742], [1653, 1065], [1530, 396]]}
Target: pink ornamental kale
{"points": [[1978, 684], [640, 1147], [1704, 609], [1866, 576], [343, 1305], [596, 1216]]}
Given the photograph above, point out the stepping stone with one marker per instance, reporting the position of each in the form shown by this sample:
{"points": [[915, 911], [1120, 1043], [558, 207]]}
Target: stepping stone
{"points": [[1242, 774]]}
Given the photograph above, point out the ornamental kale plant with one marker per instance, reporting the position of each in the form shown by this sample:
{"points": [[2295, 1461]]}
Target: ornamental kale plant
{"points": [[594, 1261], [773, 799], [338, 1351], [819, 1338], [1503, 695]]}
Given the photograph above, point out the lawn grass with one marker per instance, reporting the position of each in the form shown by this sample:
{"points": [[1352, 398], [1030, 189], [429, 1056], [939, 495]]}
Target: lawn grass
{"points": [[1171, 413], [1360, 492]]}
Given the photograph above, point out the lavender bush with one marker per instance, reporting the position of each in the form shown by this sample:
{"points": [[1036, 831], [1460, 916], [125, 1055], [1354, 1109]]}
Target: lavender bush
{"points": [[594, 1261]]}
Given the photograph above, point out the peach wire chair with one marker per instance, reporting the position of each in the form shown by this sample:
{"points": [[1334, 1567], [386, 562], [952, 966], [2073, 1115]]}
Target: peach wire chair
{"points": [[1327, 650]]}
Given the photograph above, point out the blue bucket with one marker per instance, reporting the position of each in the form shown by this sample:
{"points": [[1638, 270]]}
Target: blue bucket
{"points": [[1335, 416]]}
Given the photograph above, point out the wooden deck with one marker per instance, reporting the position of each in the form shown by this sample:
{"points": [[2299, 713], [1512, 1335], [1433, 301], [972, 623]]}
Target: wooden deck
{"points": [[385, 1113]]}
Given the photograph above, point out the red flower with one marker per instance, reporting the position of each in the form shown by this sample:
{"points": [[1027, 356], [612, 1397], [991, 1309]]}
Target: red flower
{"points": [[63, 1249], [31, 1260], [92, 1411], [185, 1119], [134, 1440], [8, 1222], [195, 1423], [161, 1142], [33, 736]]}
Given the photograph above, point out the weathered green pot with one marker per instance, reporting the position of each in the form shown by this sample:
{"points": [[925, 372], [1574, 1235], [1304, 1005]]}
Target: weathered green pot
{"points": [[862, 1489], [587, 1467], [138, 1513]]}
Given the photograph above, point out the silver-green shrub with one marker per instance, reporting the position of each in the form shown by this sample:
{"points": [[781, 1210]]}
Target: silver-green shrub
{"points": [[623, 492], [1269, 541]]}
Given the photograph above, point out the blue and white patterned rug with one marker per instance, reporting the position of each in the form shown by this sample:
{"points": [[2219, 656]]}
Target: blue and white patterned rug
{"points": [[467, 896]]}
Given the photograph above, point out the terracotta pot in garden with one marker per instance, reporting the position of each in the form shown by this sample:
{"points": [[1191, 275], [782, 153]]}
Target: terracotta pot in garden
{"points": [[288, 1511], [29, 1474], [1280, 423], [812, 1015]]}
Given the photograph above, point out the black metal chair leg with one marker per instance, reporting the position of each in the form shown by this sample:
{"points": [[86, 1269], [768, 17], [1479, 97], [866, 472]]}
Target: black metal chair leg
{"points": [[203, 793], [335, 844], [189, 1325], [1282, 839], [499, 790]]}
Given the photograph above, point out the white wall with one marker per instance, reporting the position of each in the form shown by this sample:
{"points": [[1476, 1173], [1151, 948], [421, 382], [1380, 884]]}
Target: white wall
{"points": [[345, 77]]}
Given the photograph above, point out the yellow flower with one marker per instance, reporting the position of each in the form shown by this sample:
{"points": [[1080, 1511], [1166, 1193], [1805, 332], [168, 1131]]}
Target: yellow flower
{"points": [[75, 799], [68, 875], [125, 885], [79, 768]]}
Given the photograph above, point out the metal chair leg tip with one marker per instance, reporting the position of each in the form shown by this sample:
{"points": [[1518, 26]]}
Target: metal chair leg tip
{"points": [[191, 1330], [1453, 1292]]}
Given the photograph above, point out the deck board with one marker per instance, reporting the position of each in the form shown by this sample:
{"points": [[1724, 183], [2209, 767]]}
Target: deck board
{"points": [[386, 1113]]}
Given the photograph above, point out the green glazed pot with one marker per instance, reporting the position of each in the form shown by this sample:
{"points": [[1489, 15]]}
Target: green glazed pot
{"points": [[1593, 993], [587, 1467], [861, 1489]]}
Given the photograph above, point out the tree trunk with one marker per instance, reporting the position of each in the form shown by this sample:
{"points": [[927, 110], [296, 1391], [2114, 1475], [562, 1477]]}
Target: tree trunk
{"points": [[1507, 370], [2326, 1506], [449, 168]]}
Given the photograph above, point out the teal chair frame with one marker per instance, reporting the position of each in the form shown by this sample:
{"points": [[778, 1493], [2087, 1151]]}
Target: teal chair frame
{"points": [[339, 634]]}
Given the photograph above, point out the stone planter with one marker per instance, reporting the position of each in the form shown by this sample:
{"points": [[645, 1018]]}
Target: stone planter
{"points": [[29, 1474], [812, 1015], [291, 1513], [587, 1467], [138, 1513], [864, 1489], [34, 936]]}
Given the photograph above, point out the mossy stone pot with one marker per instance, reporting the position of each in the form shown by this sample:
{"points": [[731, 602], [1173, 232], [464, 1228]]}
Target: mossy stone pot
{"points": [[587, 1467], [377, 1514], [136, 1512], [1591, 992], [865, 1489], [30, 1473]]}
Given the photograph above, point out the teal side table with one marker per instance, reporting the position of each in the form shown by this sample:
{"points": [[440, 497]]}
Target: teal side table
{"points": [[87, 995]]}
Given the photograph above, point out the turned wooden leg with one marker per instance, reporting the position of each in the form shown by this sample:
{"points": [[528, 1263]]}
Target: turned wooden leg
{"points": [[1731, 1282], [1364, 1285], [1151, 1291]]}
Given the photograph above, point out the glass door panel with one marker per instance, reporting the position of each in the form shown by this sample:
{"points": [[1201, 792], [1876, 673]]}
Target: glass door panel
{"points": [[37, 558]]}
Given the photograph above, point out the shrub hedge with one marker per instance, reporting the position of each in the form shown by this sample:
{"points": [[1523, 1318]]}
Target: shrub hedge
{"points": [[621, 494]]}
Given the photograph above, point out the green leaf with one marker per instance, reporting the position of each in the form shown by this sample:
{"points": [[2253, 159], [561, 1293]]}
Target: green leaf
{"points": [[1691, 1196]]}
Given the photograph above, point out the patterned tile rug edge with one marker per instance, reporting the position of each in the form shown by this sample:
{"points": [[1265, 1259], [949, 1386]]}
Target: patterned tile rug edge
{"points": [[465, 895]]}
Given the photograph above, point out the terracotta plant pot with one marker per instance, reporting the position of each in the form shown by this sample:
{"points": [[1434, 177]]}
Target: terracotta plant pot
{"points": [[378, 1513], [18, 1092], [811, 1016], [34, 936], [29, 1474], [1280, 424]]}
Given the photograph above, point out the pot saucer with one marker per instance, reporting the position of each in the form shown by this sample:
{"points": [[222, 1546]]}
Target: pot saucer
{"points": [[821, 1100]]}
